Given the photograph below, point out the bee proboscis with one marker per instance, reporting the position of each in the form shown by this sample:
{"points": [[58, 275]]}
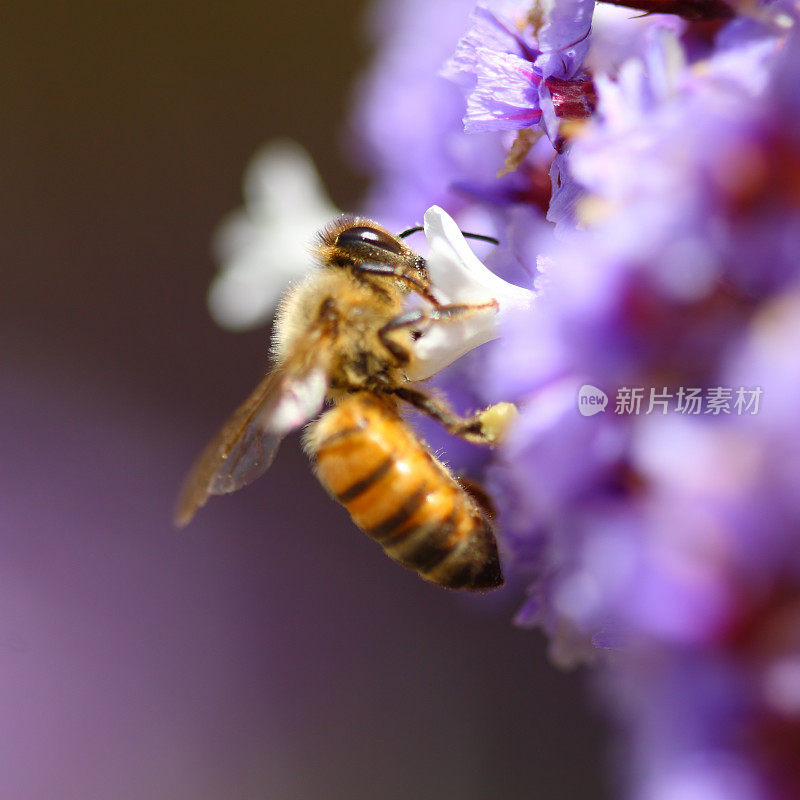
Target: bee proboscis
{"points": [[343, 336]]}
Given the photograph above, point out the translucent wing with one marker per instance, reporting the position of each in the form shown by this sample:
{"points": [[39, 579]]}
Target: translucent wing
{"points": [[245, 447]]}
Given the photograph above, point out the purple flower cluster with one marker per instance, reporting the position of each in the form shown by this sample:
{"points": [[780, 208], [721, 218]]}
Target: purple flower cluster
{"points": [[673, 538], [665, 547], [513, 81]]}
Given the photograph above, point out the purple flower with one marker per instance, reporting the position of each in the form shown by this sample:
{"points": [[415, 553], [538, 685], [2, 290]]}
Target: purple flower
{"points": [[407, 121], [672, 539], [652, 290], [513, 81], [566, 192]]}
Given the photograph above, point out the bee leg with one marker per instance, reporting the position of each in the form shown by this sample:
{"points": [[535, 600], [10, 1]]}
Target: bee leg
{"points": [[441, 312], [409, 320], [418, 321], [455, 312], [414, 284], [483, 427], [476, 491]]}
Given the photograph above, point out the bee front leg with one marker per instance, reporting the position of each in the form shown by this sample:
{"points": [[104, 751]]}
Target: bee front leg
{"points": [[394, 335], [483, 427], [411, 282], [418, 321], [441, 312]]}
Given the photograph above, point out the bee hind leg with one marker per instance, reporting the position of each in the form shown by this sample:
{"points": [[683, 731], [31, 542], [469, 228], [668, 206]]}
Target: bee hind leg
{"points": [[484, 427]]}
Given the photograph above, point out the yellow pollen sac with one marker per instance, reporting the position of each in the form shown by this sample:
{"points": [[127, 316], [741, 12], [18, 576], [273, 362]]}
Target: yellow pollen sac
{"points": [[496, 420]]}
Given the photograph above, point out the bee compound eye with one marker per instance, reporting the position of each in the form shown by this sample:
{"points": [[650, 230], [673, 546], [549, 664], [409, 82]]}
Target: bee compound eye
{"points": [[360, 235]]}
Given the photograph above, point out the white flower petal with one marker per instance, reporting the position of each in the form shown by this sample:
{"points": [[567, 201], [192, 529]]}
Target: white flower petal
{"points": [[264, 246], [458, 276]]}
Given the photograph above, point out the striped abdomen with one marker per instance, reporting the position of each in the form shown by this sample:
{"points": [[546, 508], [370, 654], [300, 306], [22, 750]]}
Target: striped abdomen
{"points": [[400, 495]]}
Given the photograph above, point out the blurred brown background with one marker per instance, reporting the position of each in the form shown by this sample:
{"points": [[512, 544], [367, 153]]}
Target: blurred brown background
{"points": [[271, 650]]}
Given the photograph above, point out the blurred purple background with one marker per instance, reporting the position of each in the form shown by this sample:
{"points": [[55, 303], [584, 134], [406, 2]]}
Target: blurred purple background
{"points": [[270, 650]]}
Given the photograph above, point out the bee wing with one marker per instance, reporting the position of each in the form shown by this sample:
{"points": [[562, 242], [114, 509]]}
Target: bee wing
{"points": [[246, 445]]}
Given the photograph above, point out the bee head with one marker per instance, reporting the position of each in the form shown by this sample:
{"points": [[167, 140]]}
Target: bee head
{"points": [[352, 240]]}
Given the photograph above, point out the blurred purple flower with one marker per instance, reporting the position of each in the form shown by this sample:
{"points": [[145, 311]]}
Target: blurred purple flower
{"points": [[673, 539]]}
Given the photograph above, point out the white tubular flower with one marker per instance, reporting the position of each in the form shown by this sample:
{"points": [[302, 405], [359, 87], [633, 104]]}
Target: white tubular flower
{"points": [[264, 246], [458, 276]]}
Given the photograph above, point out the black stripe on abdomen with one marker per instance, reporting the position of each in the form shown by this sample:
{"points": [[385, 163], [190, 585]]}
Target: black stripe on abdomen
{"points": [[428, 547], [384, 530], [338, 436], [359, 487]]}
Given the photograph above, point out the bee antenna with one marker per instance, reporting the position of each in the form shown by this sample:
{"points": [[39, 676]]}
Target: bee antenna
{"points": [[479, 236], [409, 231]]}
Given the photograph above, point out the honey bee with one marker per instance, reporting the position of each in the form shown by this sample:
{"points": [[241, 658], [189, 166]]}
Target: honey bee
{"points": [[343, 336]]}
